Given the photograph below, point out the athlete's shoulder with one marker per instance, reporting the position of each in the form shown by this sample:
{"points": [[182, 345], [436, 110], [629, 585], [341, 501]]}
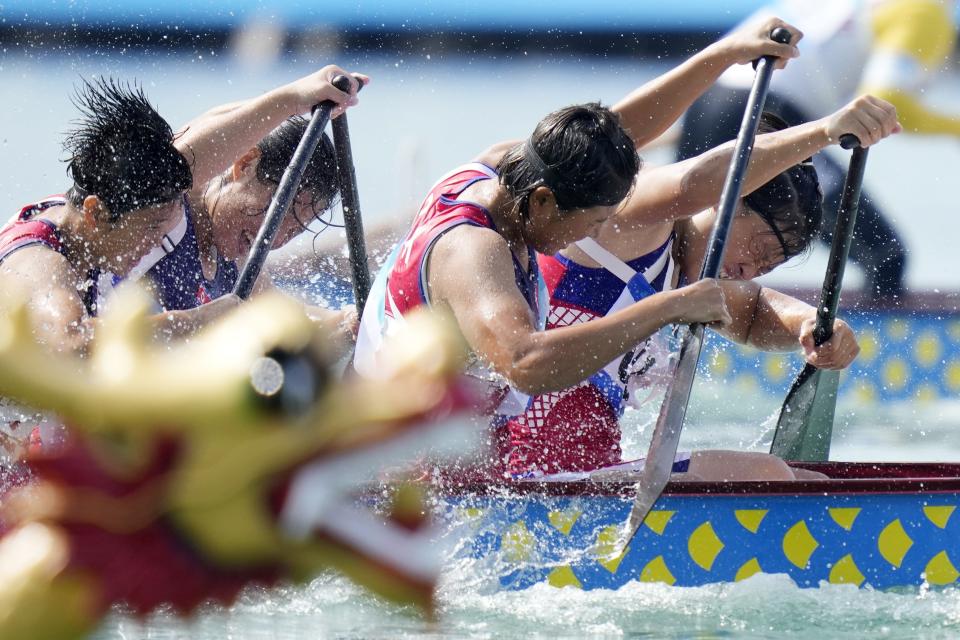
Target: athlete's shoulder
{"points": [[472, 238], [44, 280], [470, 250], [36, 266]]}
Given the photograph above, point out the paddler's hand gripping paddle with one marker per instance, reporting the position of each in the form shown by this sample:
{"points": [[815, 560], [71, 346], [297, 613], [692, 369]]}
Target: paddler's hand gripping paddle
{"points": [[805, 426], [287, 190]]}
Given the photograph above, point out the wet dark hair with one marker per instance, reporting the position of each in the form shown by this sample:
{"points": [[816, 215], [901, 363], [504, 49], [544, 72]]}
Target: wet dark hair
{"points": [[792, 203], [581, 153], [320, 175], [122, 151]]}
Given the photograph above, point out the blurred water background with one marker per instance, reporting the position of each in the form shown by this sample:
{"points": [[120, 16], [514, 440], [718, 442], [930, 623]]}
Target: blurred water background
{"points": [[449, 79]]}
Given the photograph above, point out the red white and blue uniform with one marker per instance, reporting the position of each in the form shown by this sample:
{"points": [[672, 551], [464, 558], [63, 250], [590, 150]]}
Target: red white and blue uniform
{"points": [[175, 269], [401, 284], [29, 229], [578, 429], [177, 272]]}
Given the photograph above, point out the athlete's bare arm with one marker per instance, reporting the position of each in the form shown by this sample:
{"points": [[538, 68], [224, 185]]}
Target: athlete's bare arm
{"points": [[676, 191], [773, 321], [214, 140], [470, 270], [650, 110], [48, 284]]}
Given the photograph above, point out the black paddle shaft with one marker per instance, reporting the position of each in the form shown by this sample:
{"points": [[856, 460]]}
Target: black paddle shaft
{"points": [[842, 239], [353, 222], [666, 433], [733, 183], [286, 193]]}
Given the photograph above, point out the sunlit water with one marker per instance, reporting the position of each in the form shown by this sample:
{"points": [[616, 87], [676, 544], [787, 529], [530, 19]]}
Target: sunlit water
{"points": [[422, 115]]}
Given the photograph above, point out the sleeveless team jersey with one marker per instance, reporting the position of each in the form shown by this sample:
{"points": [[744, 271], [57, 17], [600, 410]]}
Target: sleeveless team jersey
{"points": [[27, 229], [401, 287], [178, 274], [578, 429]]}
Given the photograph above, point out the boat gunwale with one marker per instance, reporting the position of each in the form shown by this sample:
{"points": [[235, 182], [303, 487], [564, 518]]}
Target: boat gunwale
{"points": [[846, 479]]}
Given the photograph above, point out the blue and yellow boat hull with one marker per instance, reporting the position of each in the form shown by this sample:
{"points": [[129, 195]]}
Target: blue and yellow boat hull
{"points": [[871, 525]]}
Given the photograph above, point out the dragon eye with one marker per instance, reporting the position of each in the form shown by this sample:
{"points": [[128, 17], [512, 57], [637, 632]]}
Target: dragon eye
{"points": [[288, 382]]}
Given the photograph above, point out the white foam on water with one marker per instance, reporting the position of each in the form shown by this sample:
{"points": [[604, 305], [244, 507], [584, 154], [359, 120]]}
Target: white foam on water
{"points": [[471, 606]]}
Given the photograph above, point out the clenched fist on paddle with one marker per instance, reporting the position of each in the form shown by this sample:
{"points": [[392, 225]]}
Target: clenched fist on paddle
{"points": [[753, 42], [836, 353], [868, 118], [705, 303]]}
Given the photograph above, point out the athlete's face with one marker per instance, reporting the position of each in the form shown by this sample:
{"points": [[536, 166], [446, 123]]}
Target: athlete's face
{"points": [[752, 249], [239, 211], [549, 230], [123, 243]]}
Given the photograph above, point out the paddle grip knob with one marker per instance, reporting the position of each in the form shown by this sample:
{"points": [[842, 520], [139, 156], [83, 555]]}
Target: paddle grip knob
{"points": [[780, 35], [849, 141], [341, 82]]}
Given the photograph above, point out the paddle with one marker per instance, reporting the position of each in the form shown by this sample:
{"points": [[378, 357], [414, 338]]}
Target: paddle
{"points": [[352, 220], [805, 427], [666, 435], [286, 192]]}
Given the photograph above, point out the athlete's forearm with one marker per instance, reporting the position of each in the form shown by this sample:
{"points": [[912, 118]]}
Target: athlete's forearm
{"points": [[649, 111], [772, 154], [674, 192], [171, 325], [777, 321], [560, 358], [220, 136]]}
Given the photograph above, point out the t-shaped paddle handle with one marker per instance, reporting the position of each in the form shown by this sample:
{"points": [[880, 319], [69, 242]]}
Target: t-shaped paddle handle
{"points": [[849, 141], [779, 34], [342, 82]]}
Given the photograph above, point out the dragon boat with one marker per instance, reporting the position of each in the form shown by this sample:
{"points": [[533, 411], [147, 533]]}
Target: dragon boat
{"points": [[878, 525]]}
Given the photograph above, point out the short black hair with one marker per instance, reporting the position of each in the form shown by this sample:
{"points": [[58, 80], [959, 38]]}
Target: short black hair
{"points": [[584, 156], [122, 150], [319, 177], [792, 202]]}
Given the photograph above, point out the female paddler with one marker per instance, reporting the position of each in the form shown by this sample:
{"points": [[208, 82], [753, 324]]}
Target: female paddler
{"points": [[657, 241], [474, 243], [134, 185], [199, 261]]}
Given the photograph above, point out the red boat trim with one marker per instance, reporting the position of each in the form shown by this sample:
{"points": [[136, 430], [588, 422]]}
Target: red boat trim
{"points": [[846, 478]]}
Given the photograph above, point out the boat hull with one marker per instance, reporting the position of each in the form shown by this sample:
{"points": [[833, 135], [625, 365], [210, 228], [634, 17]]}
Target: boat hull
{"points": [[882, 532]]}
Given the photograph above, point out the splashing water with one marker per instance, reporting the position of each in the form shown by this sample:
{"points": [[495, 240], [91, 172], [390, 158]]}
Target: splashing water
{"points": [[763, 606]]}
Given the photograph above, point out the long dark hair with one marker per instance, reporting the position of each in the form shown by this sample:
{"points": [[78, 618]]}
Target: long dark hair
{"points": [[319, 177], [122, 150], [581, 153], [792, 203]]}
